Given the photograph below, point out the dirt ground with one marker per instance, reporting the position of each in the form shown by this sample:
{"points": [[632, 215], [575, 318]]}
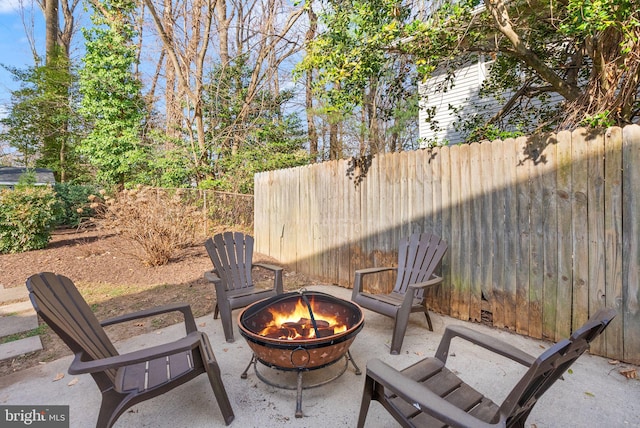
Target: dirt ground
{"points": [[114, 281]]}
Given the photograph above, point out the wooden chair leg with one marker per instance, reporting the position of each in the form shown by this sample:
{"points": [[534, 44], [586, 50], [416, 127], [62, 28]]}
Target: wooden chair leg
{"points": [[111, 407], [426, 314], [366, 401], [213, 372], [399, 330], [215, 379], [227, 326], [227, 321]]}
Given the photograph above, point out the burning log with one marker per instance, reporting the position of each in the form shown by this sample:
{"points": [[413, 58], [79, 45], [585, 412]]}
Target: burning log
{"points": [[301, 329]]}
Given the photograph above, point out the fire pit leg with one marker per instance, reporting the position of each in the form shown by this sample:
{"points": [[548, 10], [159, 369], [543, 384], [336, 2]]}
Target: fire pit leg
{"points": [[299, 396], [252, 362], [350, 358]]}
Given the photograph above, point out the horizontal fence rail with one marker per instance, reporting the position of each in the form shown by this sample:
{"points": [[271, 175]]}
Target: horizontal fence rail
{"points": [[543, 231]]}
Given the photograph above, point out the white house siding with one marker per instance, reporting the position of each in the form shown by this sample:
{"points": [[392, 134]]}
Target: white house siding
{"points": [[464, 94]]}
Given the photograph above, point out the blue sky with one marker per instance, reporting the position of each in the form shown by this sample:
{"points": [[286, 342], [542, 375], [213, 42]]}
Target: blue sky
{"points": [[14, 46]]}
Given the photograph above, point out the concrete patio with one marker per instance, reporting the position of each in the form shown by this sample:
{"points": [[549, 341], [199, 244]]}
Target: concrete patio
{"points": [[594, 394]]}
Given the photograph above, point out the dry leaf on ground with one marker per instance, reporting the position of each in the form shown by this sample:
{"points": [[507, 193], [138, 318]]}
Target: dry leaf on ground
{"points": [[58, 377], [629, 373]]}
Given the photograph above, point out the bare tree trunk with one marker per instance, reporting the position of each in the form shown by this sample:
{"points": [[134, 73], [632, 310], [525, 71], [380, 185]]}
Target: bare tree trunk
{"points": [[140, 30], [194, 53], [393, 144], [334, 149], [371, 123], [51, 23], [172, 103], [54, 142], [362, 135], [65, 34], [311, 126], [223, 31]]}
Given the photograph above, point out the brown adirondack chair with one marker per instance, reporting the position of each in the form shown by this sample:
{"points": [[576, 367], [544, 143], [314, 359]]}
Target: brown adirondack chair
{"points": [[418, 257], [427, 394], [232, 256], [124, 380]]}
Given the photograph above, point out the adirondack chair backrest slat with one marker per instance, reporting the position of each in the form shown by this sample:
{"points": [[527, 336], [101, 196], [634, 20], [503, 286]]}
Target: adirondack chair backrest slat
{"points": [[59, 303], [232, 257], [549, 366], [426, 261], [418, 257]]}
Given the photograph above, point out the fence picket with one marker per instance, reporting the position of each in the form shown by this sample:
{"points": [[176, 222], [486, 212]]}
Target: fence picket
{"points": [[510, 231], [613, 238], [474, 259], [630, 247], [432, 196], [565, 240], [486, 233], [580, 227], [444, 221], [596, 217], [548, 168], [499, 261], [523, 260], [537, 215]]}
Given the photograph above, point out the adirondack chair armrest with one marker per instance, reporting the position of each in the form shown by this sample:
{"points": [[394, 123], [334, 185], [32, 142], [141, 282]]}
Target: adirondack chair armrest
{"points": [[491, 343], [422, 398], [270, 267], [358, 283], [409, 296], [187, 343], [367, 271], [189, 322], [435, 280], [212, 276], [277, 271]]}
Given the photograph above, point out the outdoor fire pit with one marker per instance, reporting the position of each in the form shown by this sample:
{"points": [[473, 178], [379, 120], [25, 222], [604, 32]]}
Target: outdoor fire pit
{"points": [[299, 332]]}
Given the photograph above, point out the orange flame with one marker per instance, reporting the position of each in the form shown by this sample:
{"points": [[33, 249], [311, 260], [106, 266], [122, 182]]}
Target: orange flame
{"points": [[297, 324]]}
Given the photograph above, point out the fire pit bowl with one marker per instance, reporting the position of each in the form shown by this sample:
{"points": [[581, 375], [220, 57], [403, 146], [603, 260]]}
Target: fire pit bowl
{"points": [[301, 330]]}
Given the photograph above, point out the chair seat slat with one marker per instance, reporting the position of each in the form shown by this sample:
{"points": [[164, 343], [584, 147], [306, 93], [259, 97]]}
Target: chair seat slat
{"points": [[131, 378], [158, 372], [464, 397], [180, 364], [486, 410]]}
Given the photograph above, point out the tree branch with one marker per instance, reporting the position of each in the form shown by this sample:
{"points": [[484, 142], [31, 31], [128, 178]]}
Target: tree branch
{"points": [[501, 18]]}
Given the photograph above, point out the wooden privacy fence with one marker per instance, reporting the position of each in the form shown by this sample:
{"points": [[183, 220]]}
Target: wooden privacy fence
{"points": [[542, 231]]}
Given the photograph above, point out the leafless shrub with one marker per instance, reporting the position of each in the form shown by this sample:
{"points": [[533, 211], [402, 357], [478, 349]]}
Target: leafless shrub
{"points": [[157, 221]]}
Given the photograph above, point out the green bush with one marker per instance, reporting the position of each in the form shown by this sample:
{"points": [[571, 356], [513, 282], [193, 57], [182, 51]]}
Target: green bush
{"points": [[26, 218], [72, 204]]}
